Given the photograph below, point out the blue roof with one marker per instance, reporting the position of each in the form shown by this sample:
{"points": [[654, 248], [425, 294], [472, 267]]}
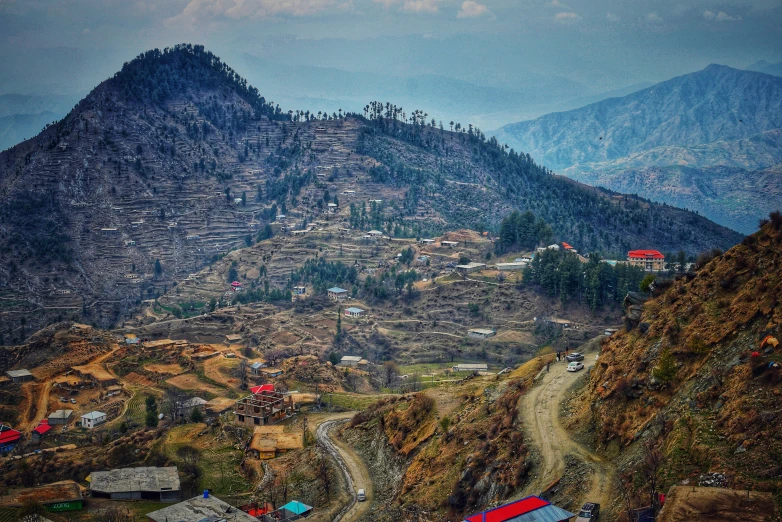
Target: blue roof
{"points": [[299, 508], [550, 513], [337, 289], [354, 310]]}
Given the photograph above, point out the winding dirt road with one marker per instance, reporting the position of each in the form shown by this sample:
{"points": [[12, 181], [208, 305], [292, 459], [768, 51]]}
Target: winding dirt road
{"points": [[353, 469], [540, 416]]}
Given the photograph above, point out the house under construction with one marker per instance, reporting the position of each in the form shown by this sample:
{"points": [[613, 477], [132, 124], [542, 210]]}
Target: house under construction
{"points": [[264, 406]]}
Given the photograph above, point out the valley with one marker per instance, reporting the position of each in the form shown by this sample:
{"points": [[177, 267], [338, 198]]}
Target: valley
{"points": [[212, 307]]}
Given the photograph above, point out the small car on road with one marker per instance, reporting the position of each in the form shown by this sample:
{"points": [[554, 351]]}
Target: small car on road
{"points": [[575, 356], [589, 512], [361, 496], [575, 366]]}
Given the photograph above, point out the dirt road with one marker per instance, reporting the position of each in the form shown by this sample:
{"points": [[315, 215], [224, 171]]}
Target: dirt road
{"points": [[352, 467], [540, 417]]}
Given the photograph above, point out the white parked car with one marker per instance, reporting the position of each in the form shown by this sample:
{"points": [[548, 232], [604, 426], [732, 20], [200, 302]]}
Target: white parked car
{"points": [[575, 366], [361, 496]]}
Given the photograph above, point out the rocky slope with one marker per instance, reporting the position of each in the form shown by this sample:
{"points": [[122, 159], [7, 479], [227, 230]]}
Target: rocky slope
{"points": [[695, 378], [716, 124], [176, 160]]}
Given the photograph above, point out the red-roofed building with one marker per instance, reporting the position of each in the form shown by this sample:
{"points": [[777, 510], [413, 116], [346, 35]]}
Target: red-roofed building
{"points": [[42, 429], [567, 247], [9, 437], [262, 388], [648, 260], [529, 509]]}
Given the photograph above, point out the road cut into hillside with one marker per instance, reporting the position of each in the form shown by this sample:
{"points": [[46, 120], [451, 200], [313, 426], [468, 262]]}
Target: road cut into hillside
{"points": [[540, 411]]}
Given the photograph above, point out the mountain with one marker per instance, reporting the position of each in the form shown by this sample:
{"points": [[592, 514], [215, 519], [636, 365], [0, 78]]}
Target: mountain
{"points": [[697, 378], [176, 160], [701, 129]]}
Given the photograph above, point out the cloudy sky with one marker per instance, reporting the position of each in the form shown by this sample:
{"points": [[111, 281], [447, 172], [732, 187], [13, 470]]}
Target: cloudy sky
{"points": [[523, 49]]}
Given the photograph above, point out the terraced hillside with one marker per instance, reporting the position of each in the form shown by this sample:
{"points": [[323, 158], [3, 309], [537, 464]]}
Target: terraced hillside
{"points": [[175, 160]]}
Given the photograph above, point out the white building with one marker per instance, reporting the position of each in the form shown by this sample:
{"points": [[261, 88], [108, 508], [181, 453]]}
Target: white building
{"points": [[481, 333], [92, 419], [350, 360]]}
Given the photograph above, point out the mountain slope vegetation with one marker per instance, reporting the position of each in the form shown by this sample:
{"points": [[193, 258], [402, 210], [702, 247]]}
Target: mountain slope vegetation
{"points": [[176, 160], [699, 379], [700, 129]]}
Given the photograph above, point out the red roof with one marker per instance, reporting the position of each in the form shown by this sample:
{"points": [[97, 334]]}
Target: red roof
{"points": [[262, 388], [508, 511], [42, 428], [645, 254], [236, 283], [566, 246], [8, 435]]}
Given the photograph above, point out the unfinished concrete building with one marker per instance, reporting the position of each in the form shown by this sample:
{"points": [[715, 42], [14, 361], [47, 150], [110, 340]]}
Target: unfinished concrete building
{"points": [[265, 405]]}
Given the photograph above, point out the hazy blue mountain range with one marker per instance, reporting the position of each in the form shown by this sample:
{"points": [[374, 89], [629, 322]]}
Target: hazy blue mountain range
{"points": [[766, 67], [23, 116], [678, 142]]}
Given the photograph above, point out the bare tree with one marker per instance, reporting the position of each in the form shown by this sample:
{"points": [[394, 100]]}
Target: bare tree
{"points": [[651, 464], [389, 373], [323, 473]]}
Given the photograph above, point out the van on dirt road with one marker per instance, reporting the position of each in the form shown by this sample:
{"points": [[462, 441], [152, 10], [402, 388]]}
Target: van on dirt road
{"points": [[361, 496]]}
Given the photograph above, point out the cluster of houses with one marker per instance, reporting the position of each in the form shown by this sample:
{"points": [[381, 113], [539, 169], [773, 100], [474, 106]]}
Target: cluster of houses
{"points": [[154, 484]]}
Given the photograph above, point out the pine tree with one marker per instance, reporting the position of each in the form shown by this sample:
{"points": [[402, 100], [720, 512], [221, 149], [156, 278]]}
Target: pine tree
{"points": [[666, 368]]}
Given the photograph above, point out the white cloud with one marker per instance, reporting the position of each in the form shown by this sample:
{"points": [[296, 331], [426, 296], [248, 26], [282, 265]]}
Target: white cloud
{"points": [[653, 18], [611, 17], [557, 3], [472, 9], [720, 17], [421, 6], [209, 10], [412, 6], [567, 16]]}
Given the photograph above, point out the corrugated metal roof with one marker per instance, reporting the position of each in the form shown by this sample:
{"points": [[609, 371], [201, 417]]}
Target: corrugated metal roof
{"points": [[529, 509]]}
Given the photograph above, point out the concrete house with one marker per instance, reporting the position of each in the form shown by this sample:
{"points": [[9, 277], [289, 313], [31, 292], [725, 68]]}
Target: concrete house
{"points": [[92, 419], [199, 509], [299, 290], [481, 333], [471, 368], [19, 375], [449, 244], [147, 483], [60, 417], [337, 294], [354, 312], [350, 360], [470, 268]]}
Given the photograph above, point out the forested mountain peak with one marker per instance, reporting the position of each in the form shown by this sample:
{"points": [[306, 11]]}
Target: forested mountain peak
{"points": [[157, 76]]}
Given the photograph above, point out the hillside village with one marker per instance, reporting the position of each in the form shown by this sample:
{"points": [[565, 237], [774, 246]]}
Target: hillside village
{"points": [[251, 373], [227, 312]]}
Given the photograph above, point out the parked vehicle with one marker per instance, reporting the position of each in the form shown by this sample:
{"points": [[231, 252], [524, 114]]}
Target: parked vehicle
{"points": [[589, 512], [575, 366], [73, 401], [63, 399], [361, 496], [575, 356]]}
